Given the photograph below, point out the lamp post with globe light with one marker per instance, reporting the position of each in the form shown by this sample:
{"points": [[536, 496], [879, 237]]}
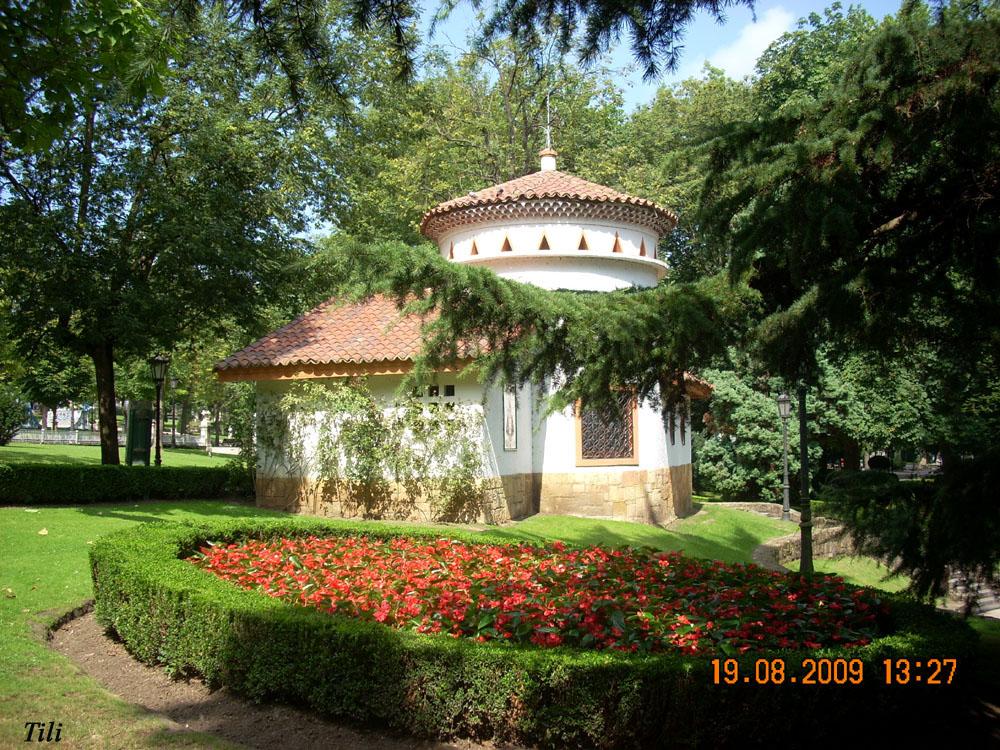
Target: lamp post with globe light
{"points": [[158, 366]]}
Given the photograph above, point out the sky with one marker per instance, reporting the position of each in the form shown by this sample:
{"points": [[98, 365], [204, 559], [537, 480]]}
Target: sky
{"points": [[733, 46]]}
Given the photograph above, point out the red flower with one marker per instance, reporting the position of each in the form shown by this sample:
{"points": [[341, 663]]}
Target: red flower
{"points": [[621, 599]]}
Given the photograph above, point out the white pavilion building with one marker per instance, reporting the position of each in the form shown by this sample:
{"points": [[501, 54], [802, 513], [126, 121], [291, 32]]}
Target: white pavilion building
{"points": [[547, 228]]}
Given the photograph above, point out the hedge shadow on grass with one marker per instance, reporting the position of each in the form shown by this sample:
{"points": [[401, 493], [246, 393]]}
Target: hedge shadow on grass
{"points": [[169, 612]]}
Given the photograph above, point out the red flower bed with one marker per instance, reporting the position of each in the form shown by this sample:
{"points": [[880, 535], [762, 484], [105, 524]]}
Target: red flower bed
{"points": [[623, 599]]}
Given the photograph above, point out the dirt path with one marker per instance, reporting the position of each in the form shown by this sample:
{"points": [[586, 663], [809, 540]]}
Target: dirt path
{"points": [[191, 706]]}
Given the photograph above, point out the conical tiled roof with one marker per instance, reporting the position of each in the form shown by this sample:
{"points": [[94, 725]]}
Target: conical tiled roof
{"points": [[545, 184]]}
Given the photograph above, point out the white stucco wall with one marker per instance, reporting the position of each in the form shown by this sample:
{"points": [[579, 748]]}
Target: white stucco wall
{"points": [[468, 393], [590, 272], [563, 265], [520, 460], [555, 443], [544, 444]]}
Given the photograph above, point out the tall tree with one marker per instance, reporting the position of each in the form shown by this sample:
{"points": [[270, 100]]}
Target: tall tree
{"points": [[805, 61], [53, 54], [667, 161], [869, 215], [873, 210], [144, 222], [468, 123]]}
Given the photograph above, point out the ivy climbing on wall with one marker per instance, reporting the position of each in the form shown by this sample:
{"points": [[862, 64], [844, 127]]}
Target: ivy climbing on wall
{"points": [[402, 459]]}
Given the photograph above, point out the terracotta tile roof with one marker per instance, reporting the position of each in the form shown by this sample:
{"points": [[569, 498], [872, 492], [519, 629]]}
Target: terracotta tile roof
{"points": [[335, 332], [540, 185], [696, 387]]}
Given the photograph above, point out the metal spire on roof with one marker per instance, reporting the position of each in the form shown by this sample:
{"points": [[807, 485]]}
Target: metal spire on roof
{"points": [[548, 122], [548, 154]]}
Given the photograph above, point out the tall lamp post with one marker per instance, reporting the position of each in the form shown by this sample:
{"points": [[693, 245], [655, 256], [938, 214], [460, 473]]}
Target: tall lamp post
{"points": [[785, 411], [158, 366]]}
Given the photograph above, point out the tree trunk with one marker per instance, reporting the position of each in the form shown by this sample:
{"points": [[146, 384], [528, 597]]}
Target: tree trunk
{"points": [[852, 455], [185, 414], [104, 366], [805, 524]]}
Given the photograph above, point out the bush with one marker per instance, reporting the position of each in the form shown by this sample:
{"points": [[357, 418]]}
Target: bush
{"points": [[39, 484], [11, 412], [880, 463], [929, 530], [169, 612]]}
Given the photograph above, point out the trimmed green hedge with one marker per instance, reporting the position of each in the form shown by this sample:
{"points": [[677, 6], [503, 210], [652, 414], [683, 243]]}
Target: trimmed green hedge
{"points": [[169, 612], [39, 484]]}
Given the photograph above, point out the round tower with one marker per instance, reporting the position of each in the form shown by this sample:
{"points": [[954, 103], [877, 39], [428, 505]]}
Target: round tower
{"points": [[558, 231], [554, 230]]}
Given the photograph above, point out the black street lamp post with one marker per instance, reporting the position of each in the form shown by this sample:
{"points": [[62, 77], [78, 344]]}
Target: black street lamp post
{"points": [[158, 366], [785, 411], [805, 520]]}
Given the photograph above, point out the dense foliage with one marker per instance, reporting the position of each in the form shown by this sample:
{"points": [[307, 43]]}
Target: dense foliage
{"points": [[741, 448], [167, 611], [869, 214], [11, 412]]}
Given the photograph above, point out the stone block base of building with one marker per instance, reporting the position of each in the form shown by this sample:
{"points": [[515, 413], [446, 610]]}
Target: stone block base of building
{"points": [[495, 501], [640, 495]]}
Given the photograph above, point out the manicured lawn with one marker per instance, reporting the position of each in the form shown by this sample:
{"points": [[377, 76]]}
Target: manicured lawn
{"points": [[49, 574], [91, 454], [44, 576], [861, 571], [714, 532]]}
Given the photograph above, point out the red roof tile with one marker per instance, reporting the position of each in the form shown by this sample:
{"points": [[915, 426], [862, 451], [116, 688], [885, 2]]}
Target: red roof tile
{"points": [[540, 185], [336, 332]]}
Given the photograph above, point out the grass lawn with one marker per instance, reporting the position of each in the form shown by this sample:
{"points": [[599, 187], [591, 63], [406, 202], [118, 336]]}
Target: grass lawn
{"points": [[91, 454], [861, 571], [715, 532], [44, 576]]}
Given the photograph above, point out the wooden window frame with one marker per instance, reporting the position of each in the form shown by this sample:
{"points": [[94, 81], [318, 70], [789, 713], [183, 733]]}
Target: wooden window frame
{"points": [[632, 461]]}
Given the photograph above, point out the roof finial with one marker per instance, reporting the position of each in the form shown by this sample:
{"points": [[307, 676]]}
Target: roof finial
{"points": [[548, 154], [548, 123]]}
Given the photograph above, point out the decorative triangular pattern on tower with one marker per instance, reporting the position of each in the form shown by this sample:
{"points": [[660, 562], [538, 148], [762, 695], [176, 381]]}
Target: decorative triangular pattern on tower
{"points": [[642, 248], [475, 250], [506, 245], [544, 244], [617, 247], [583, 242]]}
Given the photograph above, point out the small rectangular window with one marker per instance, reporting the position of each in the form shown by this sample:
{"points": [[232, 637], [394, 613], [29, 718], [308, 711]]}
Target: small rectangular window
{"points": [[607, 436], [432, 391], [449, 391]]}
